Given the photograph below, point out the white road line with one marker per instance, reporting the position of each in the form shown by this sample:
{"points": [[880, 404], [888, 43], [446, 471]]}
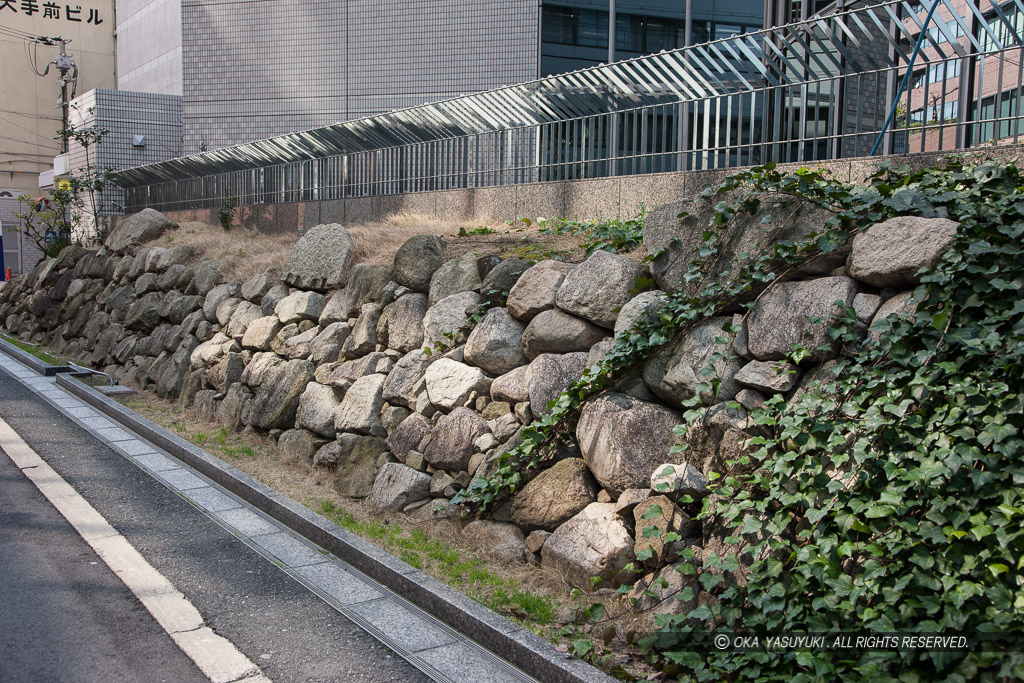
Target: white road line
{"points": [[215, 656]]}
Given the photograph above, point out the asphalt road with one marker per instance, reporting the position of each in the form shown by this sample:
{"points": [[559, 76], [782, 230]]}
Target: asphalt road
{"points": [[62, 617]]}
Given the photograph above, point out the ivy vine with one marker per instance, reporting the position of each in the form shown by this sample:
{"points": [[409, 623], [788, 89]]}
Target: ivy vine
{"points": [[888, 499]]}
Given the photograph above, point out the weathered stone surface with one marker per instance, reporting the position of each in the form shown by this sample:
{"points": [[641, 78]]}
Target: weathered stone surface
{"points": [[272, 298], [209, 353], [450, 384], [535, 290], [660, 514], [321, 258], [260, 332], [355, 462], [405, 381], [500, 280], [554, 496], [225, 309], [417, 260], [363, 338], [439, 482], [226, 371], [408, 435], [344, 374], [865, 305], [234, 409], [326, 347], [450, 444], [397, 486], [448, 316], [277, 397], [401, 324], [145, 313], [180, 308], [244, 314], [678, 241], [718, 438], [496, 344], [902, 305], [890, 253], [393, 416], [674, 373], [300, 306], [623, 440], [679, 479], [641, 307], [257, 286], [548, 376], [145, 226], [316, 409], [504, 542], [454, 276], [779, 318], [297, 346], [597, 288], [365, 284], [773, 377], [299, 445], [659, 593], [146, 283], [536, 540], [171, 378], [512, 387], [359, 411], [216, 297], [628, 500], [595, 542], [206, 278], [172, 257], [558, 332]]}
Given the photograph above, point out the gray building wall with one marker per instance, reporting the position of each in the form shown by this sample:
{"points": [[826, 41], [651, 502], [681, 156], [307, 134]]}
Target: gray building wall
{"points": [[149, 46], [262, 68], [124, 115]]}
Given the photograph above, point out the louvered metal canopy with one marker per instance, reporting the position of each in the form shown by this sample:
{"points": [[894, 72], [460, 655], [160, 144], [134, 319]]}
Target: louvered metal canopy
{"points": [[860, 40]]}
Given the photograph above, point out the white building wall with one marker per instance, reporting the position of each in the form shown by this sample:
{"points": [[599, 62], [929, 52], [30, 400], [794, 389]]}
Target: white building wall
{"points": [[149, 46]]}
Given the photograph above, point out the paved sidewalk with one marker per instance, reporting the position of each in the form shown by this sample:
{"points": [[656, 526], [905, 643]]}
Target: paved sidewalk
{"points": [[440, 652]]}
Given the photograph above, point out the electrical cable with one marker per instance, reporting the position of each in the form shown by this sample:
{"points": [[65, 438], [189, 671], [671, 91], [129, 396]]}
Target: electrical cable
{"points": [[17, 32]]}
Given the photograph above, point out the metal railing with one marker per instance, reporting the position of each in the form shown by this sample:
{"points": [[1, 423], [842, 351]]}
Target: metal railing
{"points": [[809, 91]]}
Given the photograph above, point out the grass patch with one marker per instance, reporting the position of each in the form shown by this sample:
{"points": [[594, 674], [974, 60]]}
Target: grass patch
{"points": [[614, 235], [456, 566], [33, 350]]}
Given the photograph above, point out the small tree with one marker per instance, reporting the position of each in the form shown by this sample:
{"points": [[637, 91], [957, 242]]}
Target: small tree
{"points": [[50, 222]]}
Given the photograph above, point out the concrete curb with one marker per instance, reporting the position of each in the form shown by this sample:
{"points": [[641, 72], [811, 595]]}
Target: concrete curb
{"points": [[513, 643], [26, 358]]}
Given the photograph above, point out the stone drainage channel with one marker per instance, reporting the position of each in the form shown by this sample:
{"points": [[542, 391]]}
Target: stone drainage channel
{"points": [[436, 629]]}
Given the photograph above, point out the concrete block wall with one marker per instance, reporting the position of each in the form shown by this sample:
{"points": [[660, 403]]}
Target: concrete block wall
{"points": [[583, 199]]}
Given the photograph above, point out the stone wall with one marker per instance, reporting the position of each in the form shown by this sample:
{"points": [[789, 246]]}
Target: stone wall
{"points": [[382, 377]]}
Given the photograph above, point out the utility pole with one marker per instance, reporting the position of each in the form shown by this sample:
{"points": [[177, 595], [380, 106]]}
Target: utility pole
{"points": [[68, 75]]}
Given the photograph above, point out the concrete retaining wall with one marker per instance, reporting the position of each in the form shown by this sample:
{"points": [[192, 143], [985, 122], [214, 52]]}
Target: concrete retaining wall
{"points": [[594, 198]]}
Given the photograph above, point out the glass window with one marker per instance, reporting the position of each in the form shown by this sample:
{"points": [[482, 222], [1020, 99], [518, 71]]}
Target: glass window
{"points": [[662, 34], [1004, 124], [1004, 34], [701, 31], [557, 25], [629, 33], [592, 29]]}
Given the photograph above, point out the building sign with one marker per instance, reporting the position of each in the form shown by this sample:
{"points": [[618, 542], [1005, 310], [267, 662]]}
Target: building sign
{"points": [[52, 11]]}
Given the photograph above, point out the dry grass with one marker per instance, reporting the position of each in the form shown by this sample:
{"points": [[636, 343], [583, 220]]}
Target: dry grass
{"points": [[244, 252]]}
